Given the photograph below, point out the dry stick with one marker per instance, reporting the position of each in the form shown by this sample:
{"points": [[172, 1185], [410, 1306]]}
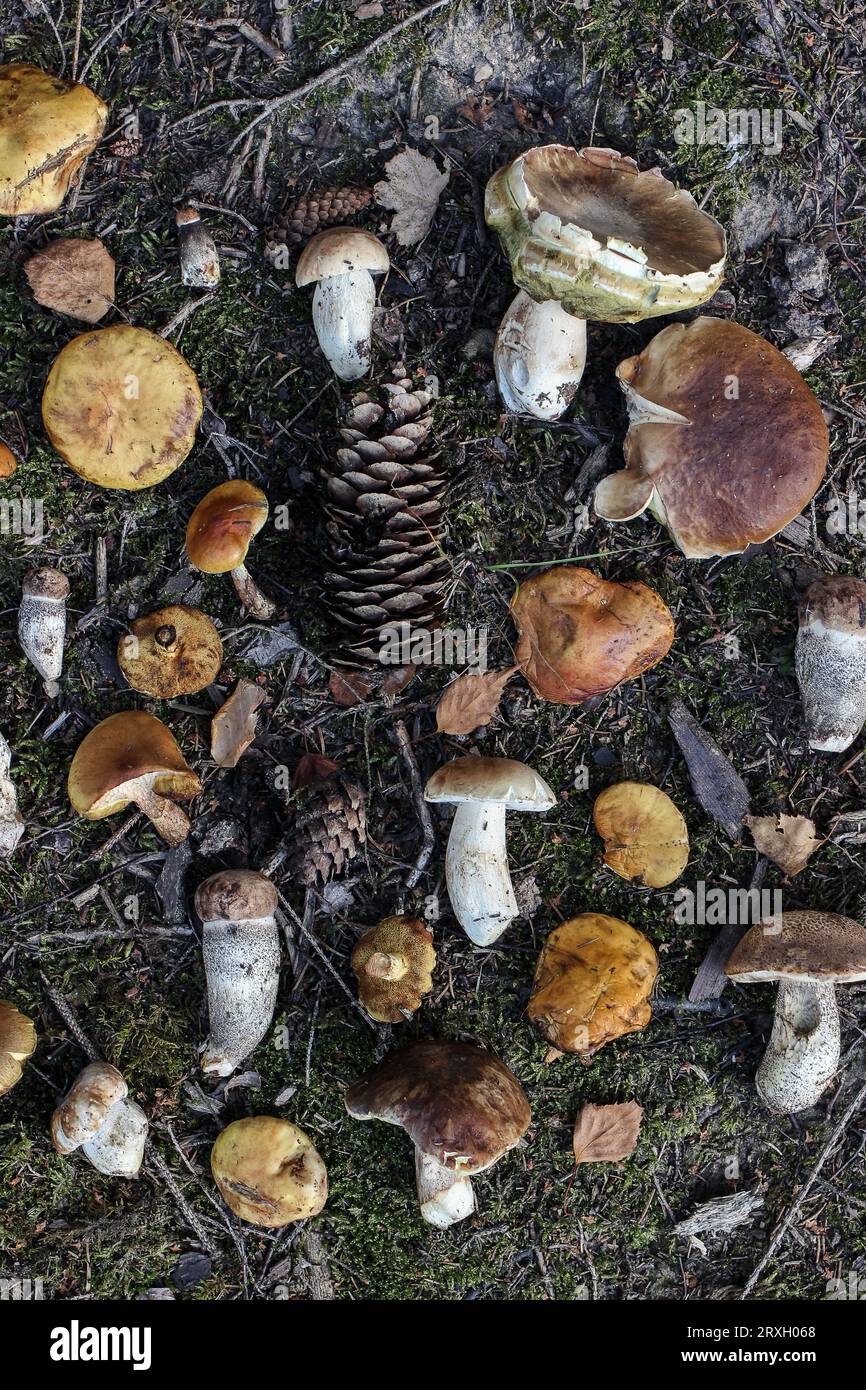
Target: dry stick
{"points": [[780, 1231], [87, 934], [425, 853], [77, 44], [66, 1013], [287, 907], [106, 38], [156, 1161]]}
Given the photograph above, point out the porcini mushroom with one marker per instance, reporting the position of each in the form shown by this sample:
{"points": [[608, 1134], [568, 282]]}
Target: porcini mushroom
{"points": [[539, 357], [588, 228], [174, 651], [476, 861], [11, 823], [98, 1117], [219, 534], [726, 443], [121, 406], [48, 127], [592, 983], [393, 963], [342, 261], [831, 661], [645, 837], [132, 758], [42, 624], [581, 636], [17, 1043], [461, 1107], [241, 947], [269, 1172], [809, 953]]}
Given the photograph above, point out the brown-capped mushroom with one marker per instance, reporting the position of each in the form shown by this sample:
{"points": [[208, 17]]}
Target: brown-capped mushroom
{"points": [[269, 1172], [645, 836], [174, 651], [48, 127], [831, 661], [17, 1043], [42, 624], [241, 948], [394, 964], [98, 1117], [199, 262], [342, 262], [219, 534]]}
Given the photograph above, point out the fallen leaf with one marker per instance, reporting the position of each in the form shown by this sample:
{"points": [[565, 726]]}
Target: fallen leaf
{"points": [[412, 188], [790, 841], [233, 727], [471, 701], [606, 1133], [348, 690], [313, 767], [478, 110], [74, 277]]}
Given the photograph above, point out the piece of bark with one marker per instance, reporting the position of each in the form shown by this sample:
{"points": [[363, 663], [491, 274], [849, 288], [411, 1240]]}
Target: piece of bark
{"points": [[170, 884], [720, 790], [233, 727], [710, 981]]}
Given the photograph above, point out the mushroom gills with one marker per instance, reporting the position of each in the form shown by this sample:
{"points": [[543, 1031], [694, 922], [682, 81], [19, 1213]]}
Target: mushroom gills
{"points": [[444, 1196], [343, 319], [802, 1056], [476, 871]]}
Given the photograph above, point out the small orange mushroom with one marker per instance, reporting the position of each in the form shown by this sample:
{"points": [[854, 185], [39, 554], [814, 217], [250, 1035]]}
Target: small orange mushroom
{"points": [[219, 534]]}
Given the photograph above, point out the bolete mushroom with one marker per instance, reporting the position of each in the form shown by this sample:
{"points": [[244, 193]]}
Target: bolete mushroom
{"points": [[809, 953], [199, 260], [592, 983], [587, 228], [121, 406], [342, 261], [241, 947], [42, 624], [580, 636], [645, 837], [269, 1172], [394, 964], [11, 822], [98, 1117], [17, 1043], [48, 127], [476, 861], [726, 443], [174, 651], [219, 534], [831, 661], [132, 758], [539, 357], [461, 1107]]}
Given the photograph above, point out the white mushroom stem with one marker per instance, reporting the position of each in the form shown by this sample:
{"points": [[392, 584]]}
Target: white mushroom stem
{"points": [[242, 968], [118, 1148], [381, 965], [251, 595], [168, 819], [42, 625], [11, 823], [445, 1197], [802, 1056], [477, 873], [343, 319], [831, 674], [539, 357]]}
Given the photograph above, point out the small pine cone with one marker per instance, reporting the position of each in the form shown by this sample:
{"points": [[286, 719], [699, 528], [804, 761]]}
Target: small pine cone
{"points": [[330, 829], [303, 216]]}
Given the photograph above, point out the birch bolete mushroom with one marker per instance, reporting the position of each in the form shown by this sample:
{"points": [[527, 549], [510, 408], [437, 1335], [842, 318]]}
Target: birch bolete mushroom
{"points": [[808, 953], [11, 822], [269, 1172], [174, 651], [241, 948], [199, 260], [42, 624], [219, 534], [98, 1117], [831, 661], [17, 1044], [476, 860], [645, 836], [48, 127], [461, 1107], [394, 964], [132, 759], [539, 357], [342, 262]]}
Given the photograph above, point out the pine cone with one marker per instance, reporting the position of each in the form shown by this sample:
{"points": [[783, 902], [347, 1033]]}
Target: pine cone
{"points": [[385, 524], [303, 216], [330, 823]]}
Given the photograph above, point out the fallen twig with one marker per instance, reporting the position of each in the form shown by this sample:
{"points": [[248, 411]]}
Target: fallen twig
{"points": [[67, 1013], [425, 853], [155, 1161]]}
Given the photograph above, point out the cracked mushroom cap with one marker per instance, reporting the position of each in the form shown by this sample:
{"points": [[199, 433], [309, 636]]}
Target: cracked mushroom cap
{"points": [[593, 983], [644, 834], [457, 1102], [175, 651], [48, 127], [581, 636], [726, 445], [838, 602], [269, 1172], [340, 251], [586, 227], [503, 780], [235, 895], [123, 749], [17, 1043], [816, 947], [81, 1115], [121, 406], [221, 529], [394, 964]]}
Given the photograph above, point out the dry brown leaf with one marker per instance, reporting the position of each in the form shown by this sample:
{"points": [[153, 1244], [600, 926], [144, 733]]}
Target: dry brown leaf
{"points": [[412, 188], [313, 768], [790, 841], [606, 1133], [471, 701], [233, 727], [74, 277], [349, 688]]}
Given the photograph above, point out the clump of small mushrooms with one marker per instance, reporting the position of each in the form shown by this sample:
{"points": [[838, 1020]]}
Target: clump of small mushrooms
{"points": [[831, 661], [219, 534], [17, 1044], [98, 1117], [645, 836], [394, 964], [42, 624], [48, 127], [241, 947], [11, 822], [461, 1107], [342, 262], [174, 651], [269, 1172]]}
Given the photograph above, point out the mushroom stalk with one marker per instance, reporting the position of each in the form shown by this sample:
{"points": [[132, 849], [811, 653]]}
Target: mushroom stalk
{"points": [[477, 873], [11, 823], [803, 1052], [118, 1149], [444, 1196], [242, 968], [42, 625], [384, 966], [539, 357], [343, 319], [251, 595], [169, 821]]}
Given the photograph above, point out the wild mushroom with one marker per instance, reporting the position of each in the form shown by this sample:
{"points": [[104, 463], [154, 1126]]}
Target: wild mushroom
{"points": [[580, 636], [121, 406], [199, 261], [269, 1172], [476, 861], [539, 357], [831, 661], [8, 462], [174, 651], [726, 443], [645, 837], [48, 127], [342, 261], [132, 758], [42, 624], [98, 1117], [17, 1043], [241, 949], [219, 534], [592, 983], [809, 953], [586, 227], [461, 1107], [11, 823], [393, 963]]}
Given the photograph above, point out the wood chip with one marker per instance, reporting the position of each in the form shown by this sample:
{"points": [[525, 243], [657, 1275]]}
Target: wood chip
{"points": [[721, 1215], [718, 788]]}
